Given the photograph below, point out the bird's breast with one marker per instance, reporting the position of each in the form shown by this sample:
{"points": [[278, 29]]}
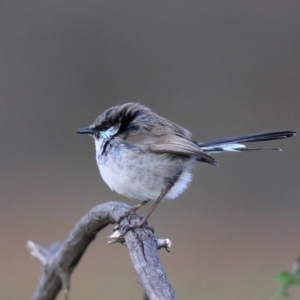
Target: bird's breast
{"points": [[143, 175]]}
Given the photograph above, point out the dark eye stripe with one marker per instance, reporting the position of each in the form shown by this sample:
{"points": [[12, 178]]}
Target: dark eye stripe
{"points": [[126, 119], [102, 127]]}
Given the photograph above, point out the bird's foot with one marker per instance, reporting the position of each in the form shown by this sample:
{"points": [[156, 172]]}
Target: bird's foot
{"points": [[142, 223], [126, 214], [131, 211]]}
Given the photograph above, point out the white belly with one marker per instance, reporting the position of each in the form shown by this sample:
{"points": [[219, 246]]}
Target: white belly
{"points": [[131, 174]]}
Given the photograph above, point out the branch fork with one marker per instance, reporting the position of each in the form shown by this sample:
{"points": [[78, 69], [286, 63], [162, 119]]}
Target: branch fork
{"points": [[60, 259]]}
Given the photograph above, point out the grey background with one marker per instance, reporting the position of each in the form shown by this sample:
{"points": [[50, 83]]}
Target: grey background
{"points": [[219, 68]]}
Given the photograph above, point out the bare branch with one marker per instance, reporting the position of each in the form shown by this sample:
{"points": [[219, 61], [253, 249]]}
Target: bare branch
{"points": [[59, 260]]}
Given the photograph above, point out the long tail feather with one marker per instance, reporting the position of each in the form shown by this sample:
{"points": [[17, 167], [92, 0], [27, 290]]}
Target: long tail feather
{"points": [[236, 144]]}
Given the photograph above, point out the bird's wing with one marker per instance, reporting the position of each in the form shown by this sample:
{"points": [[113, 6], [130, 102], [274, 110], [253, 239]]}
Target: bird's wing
{"points": [[177, 144], [168, 137]]}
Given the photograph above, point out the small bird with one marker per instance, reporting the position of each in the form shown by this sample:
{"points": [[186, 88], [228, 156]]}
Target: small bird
{"points": [[144, 156]]}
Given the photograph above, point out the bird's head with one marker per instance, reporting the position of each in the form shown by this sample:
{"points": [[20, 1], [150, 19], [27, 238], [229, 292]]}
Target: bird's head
{"points": [[120, 121]]}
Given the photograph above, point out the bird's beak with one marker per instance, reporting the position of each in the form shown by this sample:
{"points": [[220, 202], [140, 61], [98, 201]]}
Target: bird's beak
{"points": [[86, 130]]}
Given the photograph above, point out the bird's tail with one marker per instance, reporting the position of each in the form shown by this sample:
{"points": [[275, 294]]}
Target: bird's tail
{"points": [[236, 143]]}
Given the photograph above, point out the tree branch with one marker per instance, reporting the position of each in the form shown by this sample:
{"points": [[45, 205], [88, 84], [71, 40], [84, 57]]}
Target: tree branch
{"points": [[59, 260]]}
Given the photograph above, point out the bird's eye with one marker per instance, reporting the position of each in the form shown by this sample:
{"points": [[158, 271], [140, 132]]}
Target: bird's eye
{"points": [[105, 127]]}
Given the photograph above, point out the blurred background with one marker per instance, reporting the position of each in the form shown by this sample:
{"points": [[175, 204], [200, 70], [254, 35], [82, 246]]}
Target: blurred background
{"points": [[218, 68]]}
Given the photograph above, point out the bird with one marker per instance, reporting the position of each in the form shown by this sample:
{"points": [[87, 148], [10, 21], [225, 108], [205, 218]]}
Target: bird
{"points": [[145, 156]]}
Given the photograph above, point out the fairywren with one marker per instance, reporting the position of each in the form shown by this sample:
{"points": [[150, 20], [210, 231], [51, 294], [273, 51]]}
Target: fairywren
{"points": [[144, 156]]}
